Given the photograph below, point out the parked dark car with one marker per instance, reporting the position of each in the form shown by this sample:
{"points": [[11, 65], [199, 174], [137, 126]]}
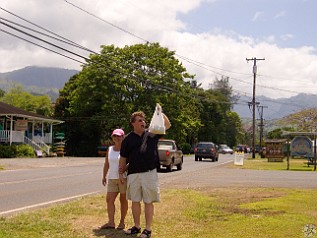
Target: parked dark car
{"points": [[206, 150]]}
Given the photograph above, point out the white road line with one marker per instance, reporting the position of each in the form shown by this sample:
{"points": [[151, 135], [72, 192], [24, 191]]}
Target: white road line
{"points": [[227, 162], [44, 178], [46, 203]]}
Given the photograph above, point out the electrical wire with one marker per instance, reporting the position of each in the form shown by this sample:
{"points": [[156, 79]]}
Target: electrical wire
{"points": [[47, 42], [103, 20], [21, 38], [59, 38], [38, 26]]}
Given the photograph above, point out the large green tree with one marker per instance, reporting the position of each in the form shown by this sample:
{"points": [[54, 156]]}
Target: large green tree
{"points": [[119, 81]]}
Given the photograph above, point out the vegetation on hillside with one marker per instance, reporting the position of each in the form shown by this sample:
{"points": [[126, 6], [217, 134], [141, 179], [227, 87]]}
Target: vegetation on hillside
{"points": [[18, 97]]}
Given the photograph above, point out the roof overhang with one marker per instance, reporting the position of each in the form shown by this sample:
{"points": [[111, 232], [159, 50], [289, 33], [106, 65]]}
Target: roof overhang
{"points": [[8, 110]]}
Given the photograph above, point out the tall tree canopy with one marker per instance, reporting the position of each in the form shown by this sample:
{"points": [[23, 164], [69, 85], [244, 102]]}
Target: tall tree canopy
{"points": [[119, 81]]}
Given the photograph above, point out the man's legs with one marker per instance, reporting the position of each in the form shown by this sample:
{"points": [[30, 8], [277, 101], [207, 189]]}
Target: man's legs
{"points": [[136, 213], [149, 213], [134, 194]]}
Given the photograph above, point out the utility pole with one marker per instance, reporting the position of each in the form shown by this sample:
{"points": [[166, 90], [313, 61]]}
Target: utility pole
{"points": [[261, 125], [253, 103]]}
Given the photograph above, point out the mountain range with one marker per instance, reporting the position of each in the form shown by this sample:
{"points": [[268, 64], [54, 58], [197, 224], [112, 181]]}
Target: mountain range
{"points": [[275, 108], [38, 80], [48, 80]]}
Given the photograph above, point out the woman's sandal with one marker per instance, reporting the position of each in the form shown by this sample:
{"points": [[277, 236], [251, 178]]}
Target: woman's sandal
{"points": [[145, 234], [120, 226], [133, 230]]}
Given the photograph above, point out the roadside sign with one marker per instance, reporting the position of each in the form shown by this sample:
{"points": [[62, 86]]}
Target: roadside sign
{"points": [[238, 158]]}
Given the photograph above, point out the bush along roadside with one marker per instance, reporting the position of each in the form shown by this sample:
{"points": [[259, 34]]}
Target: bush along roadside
{"points": [[16, 151]]}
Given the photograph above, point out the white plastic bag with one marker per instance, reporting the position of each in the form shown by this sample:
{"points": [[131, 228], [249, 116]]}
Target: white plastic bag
{"points": [[157, 125]]}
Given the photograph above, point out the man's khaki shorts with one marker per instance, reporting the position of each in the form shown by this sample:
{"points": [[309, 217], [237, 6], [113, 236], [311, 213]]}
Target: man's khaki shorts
{"points": [[115, 186], [143, 186]]}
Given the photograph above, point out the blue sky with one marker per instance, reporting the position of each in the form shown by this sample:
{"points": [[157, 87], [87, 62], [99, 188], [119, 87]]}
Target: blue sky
{"points": [[291, 22], [219, 34]]}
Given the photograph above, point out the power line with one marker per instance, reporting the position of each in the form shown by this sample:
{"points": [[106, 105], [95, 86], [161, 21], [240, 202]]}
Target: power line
{"points": [[38, 26], [47, 42], [59, 38], [19, 37], [197, 63], [103, 20]]}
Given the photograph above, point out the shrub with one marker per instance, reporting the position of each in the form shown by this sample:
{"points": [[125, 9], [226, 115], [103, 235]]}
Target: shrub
{"points": [[14, 151], [24, 151], [185, 147], [7, 151]]}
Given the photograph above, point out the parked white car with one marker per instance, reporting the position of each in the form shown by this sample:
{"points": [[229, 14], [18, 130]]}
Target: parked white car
{"points": [[224, 149]]}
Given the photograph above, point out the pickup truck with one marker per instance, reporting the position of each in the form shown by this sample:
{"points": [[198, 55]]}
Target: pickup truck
{"points": [[170, 155]]}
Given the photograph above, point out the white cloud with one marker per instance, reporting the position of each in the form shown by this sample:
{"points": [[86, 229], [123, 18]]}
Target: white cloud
{"points": [[286, 37], [280, 14], [270, 39], [257, 16]]}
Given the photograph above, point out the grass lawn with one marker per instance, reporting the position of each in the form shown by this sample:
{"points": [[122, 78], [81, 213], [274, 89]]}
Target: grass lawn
{"points": [[263, 164], [235, 212]]}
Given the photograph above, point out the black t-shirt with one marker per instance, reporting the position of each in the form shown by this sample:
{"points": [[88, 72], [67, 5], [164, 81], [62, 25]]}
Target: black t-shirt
{"points": [[140, 151]]}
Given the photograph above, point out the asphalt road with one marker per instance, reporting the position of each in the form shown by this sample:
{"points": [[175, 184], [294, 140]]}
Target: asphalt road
{"points": [[40, 182], [32, 183]]}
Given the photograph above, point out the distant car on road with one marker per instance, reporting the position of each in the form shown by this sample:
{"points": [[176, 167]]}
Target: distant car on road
{"points": [[206, 150], [224, 149], [243, 148], [170, 155]]}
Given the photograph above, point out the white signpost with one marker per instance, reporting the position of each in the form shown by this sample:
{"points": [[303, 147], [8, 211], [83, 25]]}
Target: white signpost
{"points": [[238, 158]]}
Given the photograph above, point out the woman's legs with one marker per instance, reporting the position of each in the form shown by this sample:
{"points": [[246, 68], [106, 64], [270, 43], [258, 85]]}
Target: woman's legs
{"points": [[110, 199], [123, 208]]}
